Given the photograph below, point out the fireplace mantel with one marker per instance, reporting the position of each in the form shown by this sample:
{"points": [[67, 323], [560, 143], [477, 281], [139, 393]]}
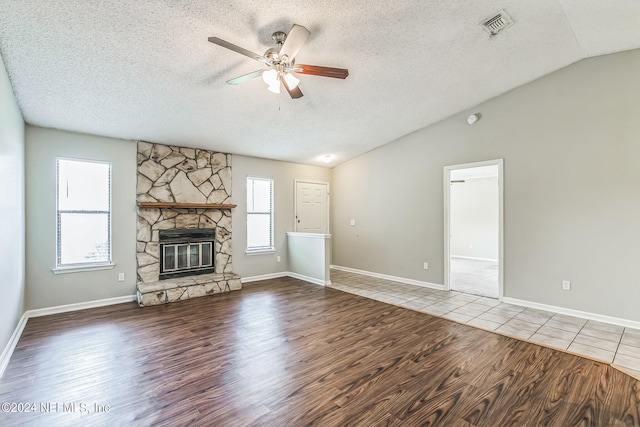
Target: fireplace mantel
{"points": [[175, 205]]}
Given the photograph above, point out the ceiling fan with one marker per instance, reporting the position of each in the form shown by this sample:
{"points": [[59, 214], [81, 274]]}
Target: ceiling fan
{"points": [[281, 62]]}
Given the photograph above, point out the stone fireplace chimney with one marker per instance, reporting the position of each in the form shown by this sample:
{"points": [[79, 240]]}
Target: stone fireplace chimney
{"points": [[171, 181]]}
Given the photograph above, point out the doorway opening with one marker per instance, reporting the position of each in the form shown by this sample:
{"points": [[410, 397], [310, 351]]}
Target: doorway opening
{"points": [[474, 228]]}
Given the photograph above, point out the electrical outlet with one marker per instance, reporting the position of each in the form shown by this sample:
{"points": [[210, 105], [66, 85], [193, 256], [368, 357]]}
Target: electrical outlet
{"points": [[278, 259], [426, 265], [566, 285], [120, 277], [352, 222]]}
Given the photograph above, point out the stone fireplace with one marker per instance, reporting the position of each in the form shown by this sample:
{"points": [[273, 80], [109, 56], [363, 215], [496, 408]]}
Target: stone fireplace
{"points": [[184, 224]]}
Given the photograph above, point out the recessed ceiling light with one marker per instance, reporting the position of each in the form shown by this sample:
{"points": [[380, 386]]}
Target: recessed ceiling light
{"points": [[327, 158]]}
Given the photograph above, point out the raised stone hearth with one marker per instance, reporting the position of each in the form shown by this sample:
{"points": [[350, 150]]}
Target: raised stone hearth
{"points": [[171, 290], [170, 174]]}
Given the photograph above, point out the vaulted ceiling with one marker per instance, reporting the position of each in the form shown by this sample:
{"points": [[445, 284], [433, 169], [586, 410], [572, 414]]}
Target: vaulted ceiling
{"points": [[145, 70]]}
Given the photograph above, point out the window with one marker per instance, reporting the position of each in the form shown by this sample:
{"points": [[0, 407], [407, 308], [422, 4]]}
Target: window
{"points": [[83, 213], [259, 214]]}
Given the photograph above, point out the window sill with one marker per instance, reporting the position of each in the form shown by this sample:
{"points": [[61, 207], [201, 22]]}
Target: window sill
{"points": [[260, 252], [79, 268]]}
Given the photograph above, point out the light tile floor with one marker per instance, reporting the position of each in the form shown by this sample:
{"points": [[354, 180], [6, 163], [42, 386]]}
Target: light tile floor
{"points": [[478, 277], [603, 341]]}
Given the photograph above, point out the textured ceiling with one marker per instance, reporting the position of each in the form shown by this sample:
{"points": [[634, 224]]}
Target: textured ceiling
{"points": [[145, 70]]}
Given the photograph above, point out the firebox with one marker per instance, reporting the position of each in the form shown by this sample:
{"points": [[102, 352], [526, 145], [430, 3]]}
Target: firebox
{"points": [[186, 252]]}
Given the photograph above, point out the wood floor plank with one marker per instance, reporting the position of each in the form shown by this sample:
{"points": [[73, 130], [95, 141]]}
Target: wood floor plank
{"points": [[284, 352]]}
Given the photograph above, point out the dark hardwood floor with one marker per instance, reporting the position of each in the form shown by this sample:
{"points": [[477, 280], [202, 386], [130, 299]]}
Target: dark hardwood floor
{"points": [[287, 353]]}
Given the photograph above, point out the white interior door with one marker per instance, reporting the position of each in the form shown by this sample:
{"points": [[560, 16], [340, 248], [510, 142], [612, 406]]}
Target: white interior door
{"points": [[474, 226], [312, 207]]}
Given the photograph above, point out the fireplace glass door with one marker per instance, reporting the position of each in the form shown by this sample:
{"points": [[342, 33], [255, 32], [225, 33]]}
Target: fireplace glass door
{"points": [[186, 256]]}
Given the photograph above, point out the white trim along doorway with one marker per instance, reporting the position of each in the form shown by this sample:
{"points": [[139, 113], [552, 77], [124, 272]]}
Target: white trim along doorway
{"points": [[450, 174]]}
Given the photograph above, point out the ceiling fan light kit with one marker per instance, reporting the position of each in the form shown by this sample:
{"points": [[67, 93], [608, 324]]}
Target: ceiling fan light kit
{"points": [[281, 62], [292, 81], [269, 76], [274, 87]]}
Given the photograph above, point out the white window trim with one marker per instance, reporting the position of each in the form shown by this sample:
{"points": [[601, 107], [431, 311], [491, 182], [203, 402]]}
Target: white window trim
{"points": [[89, 266], [76, 268], [251, 252], [265, 249]]}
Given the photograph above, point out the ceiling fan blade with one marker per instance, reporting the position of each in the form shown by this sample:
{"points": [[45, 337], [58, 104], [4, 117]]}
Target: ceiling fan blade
{"points": [[296, 38], [242, 51], [295, 93], [245, 77], [316, 70]]}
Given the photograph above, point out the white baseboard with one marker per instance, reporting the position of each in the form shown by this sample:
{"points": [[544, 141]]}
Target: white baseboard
{"points": [[285, 274], [387, 277], [264, 277], [15, 337], [575, 313], [474, 258], [530, 304], [79, 306], [11, 345], [309, 279]]}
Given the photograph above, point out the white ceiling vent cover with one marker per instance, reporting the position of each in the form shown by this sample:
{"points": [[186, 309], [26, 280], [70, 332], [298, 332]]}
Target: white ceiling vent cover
{"points": [[497, 23]]}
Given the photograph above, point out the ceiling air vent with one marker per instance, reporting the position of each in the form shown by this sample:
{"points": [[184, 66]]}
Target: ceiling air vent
{"points": [[497, 23]]}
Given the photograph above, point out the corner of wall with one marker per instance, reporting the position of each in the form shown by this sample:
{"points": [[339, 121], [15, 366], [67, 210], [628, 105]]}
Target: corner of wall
{"points": [[12, 214]]}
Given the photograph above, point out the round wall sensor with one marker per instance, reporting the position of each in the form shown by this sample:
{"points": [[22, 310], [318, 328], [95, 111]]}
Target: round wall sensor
{"points": [[473, 119]]}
